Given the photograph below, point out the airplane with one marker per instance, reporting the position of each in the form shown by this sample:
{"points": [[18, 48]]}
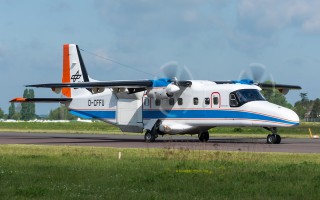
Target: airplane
{"points": [[167, 105]]}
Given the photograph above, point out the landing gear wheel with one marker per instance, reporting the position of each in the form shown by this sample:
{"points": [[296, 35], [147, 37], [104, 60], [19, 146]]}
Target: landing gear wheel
{"points": [[149, 137], [203, 136], [273, 139], [278, 139]]}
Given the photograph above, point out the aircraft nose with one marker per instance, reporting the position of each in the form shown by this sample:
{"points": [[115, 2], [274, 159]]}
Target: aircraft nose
{"points": [[289, 115]]}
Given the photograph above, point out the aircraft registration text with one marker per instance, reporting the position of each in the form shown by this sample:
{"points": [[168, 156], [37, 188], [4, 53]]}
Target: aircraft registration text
{"points": [[96, 102]]}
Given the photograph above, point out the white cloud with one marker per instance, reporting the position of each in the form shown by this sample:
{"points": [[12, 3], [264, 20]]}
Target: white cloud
{"points": [[265, 17], [312, 25], [171, 18]]}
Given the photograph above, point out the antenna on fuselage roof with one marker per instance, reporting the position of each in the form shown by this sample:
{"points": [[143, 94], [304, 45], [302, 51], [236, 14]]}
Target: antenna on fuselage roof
{"points": [[116, 62]]}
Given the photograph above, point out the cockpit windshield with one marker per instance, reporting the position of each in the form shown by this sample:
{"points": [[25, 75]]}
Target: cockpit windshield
{"points": [[240, 97]]}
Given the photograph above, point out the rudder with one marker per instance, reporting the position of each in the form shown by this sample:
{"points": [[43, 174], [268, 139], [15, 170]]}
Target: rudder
{"points": [[74, 70]]}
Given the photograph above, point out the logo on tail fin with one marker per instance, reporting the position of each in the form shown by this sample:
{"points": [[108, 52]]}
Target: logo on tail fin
{"points": [[76, 76]]}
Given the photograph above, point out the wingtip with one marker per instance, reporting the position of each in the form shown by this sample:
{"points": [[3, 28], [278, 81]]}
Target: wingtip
{"points": [[17, 100]]}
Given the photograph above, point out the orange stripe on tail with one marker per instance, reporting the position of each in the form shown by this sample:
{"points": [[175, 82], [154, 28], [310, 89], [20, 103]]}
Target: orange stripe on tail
{"points": [[19, 99], [66, 70]]}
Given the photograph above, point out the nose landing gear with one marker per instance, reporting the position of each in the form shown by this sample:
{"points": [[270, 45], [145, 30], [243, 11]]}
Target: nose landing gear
{"points": [[203, 136], [273, 138]]}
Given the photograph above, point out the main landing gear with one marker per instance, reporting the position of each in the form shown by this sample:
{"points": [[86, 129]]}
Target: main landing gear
{"points": [[151, 135], [273, 138], [203, 136]]}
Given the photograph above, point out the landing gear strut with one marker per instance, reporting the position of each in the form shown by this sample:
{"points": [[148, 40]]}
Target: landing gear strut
{"points": [[203, 136], [151, 135], [273, 138]]}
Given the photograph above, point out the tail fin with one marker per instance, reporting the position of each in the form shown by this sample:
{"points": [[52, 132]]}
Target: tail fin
{"points": [[74, 70]]}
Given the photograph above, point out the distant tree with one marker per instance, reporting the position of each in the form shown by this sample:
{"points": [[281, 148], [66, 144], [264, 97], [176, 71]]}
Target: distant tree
{"points": [[276, 97], [28, 109], [303, 106], [16, 116], [32, 105], [314, 110], [316, 106], [12, 111], [304, 97], [61, 113], [24, 106], [1, 114]]}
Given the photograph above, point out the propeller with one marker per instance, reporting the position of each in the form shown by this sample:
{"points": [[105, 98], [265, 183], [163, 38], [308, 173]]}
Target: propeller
{"points": [[177, 77], [170, 69], [175, 72], [255, 72]]}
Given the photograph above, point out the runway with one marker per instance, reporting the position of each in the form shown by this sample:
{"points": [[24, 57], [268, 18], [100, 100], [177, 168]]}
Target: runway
{"points": [[178, 142]]}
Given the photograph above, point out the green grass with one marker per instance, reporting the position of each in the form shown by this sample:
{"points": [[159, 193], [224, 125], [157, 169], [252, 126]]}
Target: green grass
{"points": [[103, 128], [48, 172]]}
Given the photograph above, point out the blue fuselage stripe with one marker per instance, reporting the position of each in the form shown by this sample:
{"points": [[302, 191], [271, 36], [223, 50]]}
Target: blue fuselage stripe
{"points": [[185, 114], [89, 114], [210, 114]]}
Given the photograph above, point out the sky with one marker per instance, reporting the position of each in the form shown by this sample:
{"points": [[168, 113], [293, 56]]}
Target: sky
{"points": [[212, 40]]}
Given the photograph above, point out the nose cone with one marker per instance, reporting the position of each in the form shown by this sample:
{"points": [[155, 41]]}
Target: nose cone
{"points": [[275, 115], [288, 115]]}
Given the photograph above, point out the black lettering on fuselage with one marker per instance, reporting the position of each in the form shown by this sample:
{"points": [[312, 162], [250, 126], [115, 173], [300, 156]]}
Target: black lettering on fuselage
{"points": [[96, 102]]}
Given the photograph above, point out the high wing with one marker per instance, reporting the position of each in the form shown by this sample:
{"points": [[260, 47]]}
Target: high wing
{"points": [[283, 88], [114, 84], [108, 84], [278, 86]]}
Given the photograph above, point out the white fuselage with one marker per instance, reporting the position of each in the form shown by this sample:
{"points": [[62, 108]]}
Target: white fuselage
{"points": [[193, 109]]}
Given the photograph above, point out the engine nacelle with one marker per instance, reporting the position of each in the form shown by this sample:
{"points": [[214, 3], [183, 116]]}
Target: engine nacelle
{"points": [[97, 90], [163, 93], [158, 93]]}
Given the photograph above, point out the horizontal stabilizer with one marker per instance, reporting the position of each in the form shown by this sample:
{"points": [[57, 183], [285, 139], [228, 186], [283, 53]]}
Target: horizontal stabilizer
{"points": [[110, 84], [40, 100]]}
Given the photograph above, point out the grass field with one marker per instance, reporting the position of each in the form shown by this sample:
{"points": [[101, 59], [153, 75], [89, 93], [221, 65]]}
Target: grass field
{"points": [[103, 128], [48, 172]]}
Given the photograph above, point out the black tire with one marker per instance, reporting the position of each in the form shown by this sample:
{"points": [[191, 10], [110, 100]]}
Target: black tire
{"points": [[278, 139], [204, 136], [271, 139], [149, 137]]}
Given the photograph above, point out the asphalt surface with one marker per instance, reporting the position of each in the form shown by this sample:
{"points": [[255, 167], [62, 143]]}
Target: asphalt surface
{"points": [[178, 142]]}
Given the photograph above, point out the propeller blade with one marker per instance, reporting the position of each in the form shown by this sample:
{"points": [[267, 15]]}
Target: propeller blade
{"points": [[257, 71], [170, 69], [185, 74]]}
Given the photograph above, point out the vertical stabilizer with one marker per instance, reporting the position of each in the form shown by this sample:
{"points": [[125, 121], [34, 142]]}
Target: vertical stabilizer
{"points": [[74, 70]]}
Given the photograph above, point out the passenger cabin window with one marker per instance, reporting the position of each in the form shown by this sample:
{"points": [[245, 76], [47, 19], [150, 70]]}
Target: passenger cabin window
{"points": [[207, 101], [215, 100], [146, 102], [180, 101], [195, 101], [158, 102], [171, 101]]}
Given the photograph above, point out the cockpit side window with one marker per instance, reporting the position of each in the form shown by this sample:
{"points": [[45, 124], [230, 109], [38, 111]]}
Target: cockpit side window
{"points": [[240, 97], [233, 100], [247, 95]]}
